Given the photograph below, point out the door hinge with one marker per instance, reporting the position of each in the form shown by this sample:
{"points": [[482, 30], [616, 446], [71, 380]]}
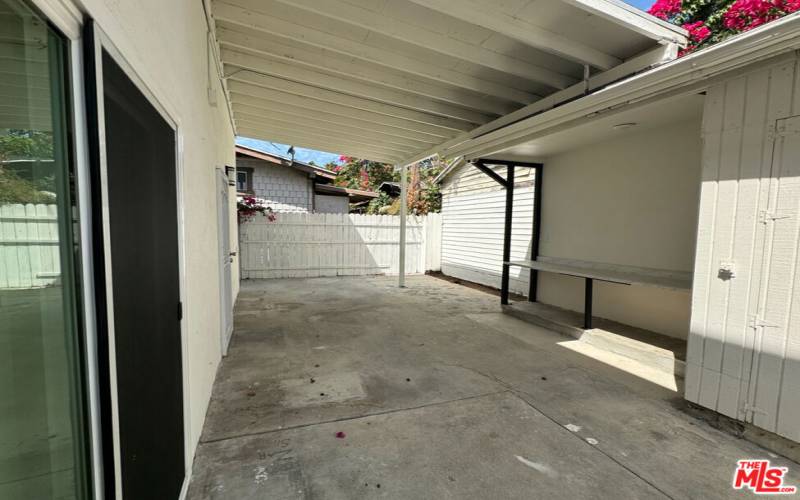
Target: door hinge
{"points": [[757, 322], [765, 216], [180, 311]]}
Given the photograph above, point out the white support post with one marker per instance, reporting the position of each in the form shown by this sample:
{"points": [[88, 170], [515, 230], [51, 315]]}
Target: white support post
{"points": [[401, 269]]}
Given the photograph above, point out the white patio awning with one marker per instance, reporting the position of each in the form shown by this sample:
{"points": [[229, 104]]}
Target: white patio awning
{"points": [[399, 80]]}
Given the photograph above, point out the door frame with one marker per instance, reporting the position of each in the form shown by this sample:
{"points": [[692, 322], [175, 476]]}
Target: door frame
{"points": [[226, 330], [100, 43]]}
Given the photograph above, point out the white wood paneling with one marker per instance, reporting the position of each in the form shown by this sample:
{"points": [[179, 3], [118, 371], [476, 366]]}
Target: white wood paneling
{"points": [[313, 245], [473, 215], [743, 346], [29, 251]]}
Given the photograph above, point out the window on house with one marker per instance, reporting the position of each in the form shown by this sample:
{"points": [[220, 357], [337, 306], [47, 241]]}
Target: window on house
{"points": [[244, 180]]}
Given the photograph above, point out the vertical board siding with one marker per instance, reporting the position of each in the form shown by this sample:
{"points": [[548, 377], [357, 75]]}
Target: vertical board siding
{"points": [[29, 251], [314, 245], [743, 349], [473, 215]]}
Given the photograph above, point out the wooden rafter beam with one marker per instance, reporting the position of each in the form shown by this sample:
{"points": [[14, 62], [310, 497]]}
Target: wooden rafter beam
{"points": [[438, 41], [487, 15], [258, 18]]}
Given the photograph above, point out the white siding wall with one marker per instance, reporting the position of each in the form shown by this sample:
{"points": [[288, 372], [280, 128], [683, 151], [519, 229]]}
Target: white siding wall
{"points": [[744, 344], [473, 213], [284, 189]]}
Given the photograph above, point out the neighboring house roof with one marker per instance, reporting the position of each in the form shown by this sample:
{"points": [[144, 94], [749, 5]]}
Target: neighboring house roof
{"points": [[286, 162], [394, 188], [355, 195], [390, 188]]}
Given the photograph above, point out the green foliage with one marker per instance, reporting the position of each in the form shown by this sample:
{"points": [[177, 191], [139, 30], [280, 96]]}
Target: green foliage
{"points": [[366, 175], [26, 145], [376, 206], [14, 189]]}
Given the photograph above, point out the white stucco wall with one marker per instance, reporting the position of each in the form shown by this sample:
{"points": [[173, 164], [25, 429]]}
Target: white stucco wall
{"points": [[168, 52], [326, 204], [630, 201], [284, 189]]}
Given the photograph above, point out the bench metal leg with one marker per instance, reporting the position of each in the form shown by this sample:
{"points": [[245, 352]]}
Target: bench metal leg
{"points": [[587, 304], [507, 234]]}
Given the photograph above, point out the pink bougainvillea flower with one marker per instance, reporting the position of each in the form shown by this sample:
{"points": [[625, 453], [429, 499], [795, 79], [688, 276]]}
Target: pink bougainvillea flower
{"points": [[744, 15], [344, 158], [664, 9], [698, 31]]}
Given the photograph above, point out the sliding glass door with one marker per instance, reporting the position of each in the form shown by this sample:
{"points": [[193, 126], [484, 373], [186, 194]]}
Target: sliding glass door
{"points": [[43, 451]]}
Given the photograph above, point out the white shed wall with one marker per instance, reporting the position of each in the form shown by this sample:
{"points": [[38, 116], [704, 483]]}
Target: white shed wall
{"points": [[473, 212], [630, 201], [744, 346]]}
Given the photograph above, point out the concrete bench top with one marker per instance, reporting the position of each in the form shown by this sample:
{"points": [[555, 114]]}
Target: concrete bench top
{"points": [[605, 272]]}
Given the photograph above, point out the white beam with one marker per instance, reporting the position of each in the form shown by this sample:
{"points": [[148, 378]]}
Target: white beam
{"points": [[489, 16], [310, 91], [349, 86], [242, 112], [633, 19], [438, 41], [253, 95], [322, 59], [266, 108], [365, 50], [331, 136], [658, 55], [318, 144], [690, 73], [401, 266]]}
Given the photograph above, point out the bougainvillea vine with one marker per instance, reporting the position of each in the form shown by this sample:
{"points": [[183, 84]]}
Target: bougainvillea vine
{"points": [[711, 21]]}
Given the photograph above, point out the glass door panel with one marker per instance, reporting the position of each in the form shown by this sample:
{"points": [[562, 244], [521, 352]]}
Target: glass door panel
{"points": [[42, 439]]}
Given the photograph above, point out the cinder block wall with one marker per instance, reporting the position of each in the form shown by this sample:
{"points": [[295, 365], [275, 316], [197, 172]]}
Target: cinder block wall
{"points": [[283, 188]]}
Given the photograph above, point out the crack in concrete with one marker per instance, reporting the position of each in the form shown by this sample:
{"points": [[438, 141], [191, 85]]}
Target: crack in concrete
{"points": [[346, 419]]}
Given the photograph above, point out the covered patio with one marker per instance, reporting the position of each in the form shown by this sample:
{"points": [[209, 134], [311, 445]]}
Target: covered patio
{"points": [[354, 388]]}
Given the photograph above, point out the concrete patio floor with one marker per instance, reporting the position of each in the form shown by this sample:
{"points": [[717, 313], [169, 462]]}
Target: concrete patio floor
{"points": [[438, 394]]}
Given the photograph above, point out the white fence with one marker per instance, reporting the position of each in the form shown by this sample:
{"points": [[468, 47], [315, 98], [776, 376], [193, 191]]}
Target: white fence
{"points": [[29, 251], [310, 245]]}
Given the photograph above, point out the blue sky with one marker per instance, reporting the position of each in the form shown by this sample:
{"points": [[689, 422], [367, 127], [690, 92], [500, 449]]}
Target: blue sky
{"points": [[640, 4], [322, 158]]}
